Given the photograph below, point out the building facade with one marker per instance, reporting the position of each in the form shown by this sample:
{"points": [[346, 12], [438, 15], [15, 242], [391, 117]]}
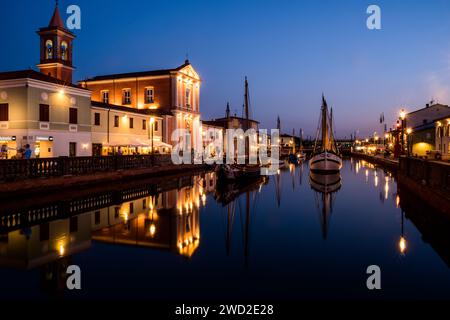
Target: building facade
{"points": [[421, 131], [442, 132], [133, 113], [44, 109], [170, 95], [51, 117]]}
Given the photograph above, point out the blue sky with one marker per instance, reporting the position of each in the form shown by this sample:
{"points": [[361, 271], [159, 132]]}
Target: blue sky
{"points": [[291, 51]]}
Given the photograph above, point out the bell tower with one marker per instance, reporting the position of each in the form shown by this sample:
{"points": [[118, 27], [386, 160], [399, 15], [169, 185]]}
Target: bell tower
{"points": [[56, 49]]}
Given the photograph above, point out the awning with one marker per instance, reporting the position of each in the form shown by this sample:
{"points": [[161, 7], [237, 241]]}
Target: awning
{"points": [[137, 143]]}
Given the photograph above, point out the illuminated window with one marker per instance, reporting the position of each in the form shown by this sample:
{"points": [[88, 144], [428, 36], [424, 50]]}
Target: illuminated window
{"points": [[64, 50], [188, 97], [149, 95], [126, 96], [105, 96], [439, 132], [49, 49]]}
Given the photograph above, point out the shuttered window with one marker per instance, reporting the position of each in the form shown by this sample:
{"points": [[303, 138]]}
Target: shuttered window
{"points": [[97, 119], [73, 115], [4, 112], [44, 112]]}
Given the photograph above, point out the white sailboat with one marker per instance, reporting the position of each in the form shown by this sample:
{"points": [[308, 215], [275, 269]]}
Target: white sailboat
{"points": [[325, 158]]}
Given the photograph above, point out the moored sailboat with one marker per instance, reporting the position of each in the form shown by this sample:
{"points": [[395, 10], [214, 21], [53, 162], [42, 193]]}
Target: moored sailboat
{"points": [[325, 158]]}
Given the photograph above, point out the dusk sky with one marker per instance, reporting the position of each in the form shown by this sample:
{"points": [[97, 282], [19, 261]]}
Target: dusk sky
{"points": [[291, 51]]}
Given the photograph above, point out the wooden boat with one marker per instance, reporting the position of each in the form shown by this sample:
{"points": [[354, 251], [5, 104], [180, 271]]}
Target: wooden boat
{"points": [[235, 171], [325, 158]]}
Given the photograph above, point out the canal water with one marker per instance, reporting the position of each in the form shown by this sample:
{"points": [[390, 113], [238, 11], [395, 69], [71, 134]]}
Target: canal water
{"points": [[288, 236]]}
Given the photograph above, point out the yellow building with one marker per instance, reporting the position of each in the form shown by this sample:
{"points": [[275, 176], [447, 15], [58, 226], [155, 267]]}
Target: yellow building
{"points": [[442, 127]]}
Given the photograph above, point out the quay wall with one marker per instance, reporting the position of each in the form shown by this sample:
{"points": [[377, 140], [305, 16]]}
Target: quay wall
{"points": [[429, 180], [384, 162], [22, 189]]}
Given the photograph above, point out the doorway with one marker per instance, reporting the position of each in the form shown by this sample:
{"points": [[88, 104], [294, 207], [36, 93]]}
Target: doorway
{"points": [[72, 149]]}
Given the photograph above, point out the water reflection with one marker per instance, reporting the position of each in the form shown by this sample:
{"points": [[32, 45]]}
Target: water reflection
{"points": [[169, 220], [227, 194], [325, 187], [262, 228]]}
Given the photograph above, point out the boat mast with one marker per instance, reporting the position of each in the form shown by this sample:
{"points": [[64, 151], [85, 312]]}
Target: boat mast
{"points": [[246, 101], [246, 113], [324, 125]]}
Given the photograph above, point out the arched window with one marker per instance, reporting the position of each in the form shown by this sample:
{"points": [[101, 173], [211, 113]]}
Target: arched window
{"points": [[49, 49], [64, 50], [439, 131]]}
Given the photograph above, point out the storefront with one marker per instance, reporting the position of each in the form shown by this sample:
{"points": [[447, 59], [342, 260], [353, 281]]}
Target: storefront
{"points": [[8, 147], [158, 148], [43, 147]]}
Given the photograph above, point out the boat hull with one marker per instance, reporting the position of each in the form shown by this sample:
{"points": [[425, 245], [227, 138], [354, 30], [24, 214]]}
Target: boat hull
{"points": [[325, 183], [325, 162]]}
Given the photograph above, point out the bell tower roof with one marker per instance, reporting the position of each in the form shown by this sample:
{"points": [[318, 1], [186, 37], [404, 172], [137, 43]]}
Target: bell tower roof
{"points": [[56, 20]]}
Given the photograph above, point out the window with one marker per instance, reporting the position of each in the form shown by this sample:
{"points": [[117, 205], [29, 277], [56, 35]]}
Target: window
{"points": [[116, 121], [126, 96], [64, 50], [156, 126], [144, 203], [105, 96], [73, 115], [439, 132], [144, 124], [131, 123], [49, 49], [188, 97], [44, 113], [131, 207], [97, 119], [4, 112], [149, 95]]}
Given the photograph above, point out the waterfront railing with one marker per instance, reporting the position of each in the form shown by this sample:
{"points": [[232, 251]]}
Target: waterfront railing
{"points": [[11, 170]]}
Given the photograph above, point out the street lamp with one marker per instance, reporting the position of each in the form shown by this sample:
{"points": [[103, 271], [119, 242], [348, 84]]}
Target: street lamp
{"points": [[403, 118]]}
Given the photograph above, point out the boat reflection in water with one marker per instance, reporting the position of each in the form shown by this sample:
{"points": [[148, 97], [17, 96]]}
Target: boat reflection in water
{"points": [[325, 187], [228, 194]]}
